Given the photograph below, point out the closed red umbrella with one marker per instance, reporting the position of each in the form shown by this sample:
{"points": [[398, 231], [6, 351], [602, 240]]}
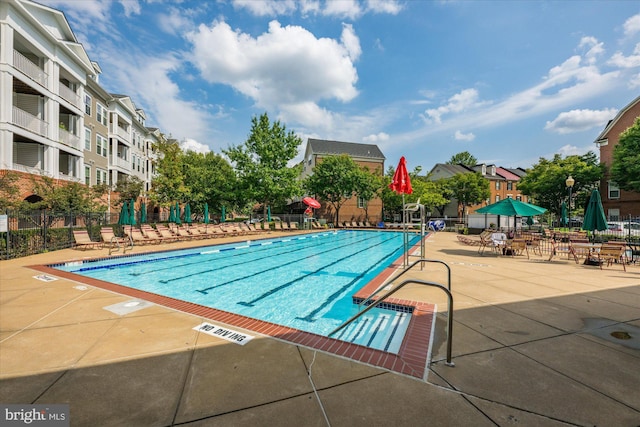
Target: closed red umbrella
{"points": [[401, 182], [311, 202]]}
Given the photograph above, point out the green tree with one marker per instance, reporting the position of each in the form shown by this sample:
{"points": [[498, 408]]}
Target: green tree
{"points": [[334, 180], [261, 163], [168, 186], [625, 168], [367, 186], [464, 158], [545, 181], [430, 193], [468, 189], [129, 188], [211, 179], [9, 190]]}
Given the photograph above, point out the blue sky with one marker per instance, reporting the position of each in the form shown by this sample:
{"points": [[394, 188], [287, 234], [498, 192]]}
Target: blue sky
{"points": [[508, 81]]}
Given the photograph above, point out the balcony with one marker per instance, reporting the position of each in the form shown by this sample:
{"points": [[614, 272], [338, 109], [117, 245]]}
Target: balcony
{"points": [[70, 177], [123, 163], [27, 67], [29, 122], [30, 170], [123, 134], [69, 95], [69, 139]]}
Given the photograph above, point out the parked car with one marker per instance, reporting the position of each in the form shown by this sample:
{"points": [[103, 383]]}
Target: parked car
{"points": [[624, 228]]}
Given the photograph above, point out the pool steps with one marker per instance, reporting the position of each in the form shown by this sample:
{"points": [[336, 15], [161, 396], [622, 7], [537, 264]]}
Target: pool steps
{"points": [[383, 330]]}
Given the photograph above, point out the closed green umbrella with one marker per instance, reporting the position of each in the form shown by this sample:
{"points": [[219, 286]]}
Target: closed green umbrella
{"points": [[563, 216], [206, 213], [143, 213], [123, 219], [268, 213], [223, 215], [178, 214], [172, 216], [594, 217], [132, 213], [187, 214]]}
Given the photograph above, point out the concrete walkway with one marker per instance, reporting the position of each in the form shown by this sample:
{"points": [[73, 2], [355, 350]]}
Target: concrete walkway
{"points": [[534, 345]]}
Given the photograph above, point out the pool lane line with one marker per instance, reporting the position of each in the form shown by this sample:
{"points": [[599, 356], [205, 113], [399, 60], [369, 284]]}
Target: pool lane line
{"points": [[300, 244], [333, 248], [402, 315], [304, 276], [171, 257], [311, 316]]}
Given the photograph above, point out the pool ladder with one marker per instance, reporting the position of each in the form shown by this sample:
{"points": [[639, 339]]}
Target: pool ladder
{"points": [[373, 303], [116, 247]]}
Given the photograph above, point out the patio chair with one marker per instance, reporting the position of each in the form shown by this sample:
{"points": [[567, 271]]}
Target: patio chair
{"points": [[83, 240], [518, 247], [138, 237], [610, 254]]}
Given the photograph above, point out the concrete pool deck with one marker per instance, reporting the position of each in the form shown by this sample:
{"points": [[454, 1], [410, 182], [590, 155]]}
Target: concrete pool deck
{"points": [[532, 345]]}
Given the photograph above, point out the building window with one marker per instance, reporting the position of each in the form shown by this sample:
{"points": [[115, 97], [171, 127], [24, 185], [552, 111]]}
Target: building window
{"points": [[101, 145], [87, 105], [87, 139], [101, 176], [138, 163], [361, 203], [133, 162], [87, 175], [101, 114], [519, 198], [509, 185], [497, 198], [497, 185], [614, 191]]}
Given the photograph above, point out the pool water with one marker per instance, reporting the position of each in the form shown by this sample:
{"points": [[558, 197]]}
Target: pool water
{"points": [[304, 282]]}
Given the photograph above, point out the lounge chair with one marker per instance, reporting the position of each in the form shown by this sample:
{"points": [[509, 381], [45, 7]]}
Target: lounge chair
{"points": [[114, 242], [167, 235], [293, 226], [138, 237], [83, 240], [284, 225], [277, 225], [151, 233]]}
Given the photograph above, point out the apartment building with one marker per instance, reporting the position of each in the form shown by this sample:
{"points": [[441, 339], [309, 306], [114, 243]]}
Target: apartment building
{"points": [[55, 118], [618, 204], [367, 155]]}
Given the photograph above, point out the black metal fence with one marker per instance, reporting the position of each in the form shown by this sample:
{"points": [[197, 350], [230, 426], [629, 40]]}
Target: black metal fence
{"points": [[28, 233]]}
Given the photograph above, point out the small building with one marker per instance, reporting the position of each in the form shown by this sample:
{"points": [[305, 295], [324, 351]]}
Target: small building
{"points": [[618, 204], [367, 155]]}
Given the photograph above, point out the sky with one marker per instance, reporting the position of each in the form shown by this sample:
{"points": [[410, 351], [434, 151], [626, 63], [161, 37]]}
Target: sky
{"points": [[508, 81]]}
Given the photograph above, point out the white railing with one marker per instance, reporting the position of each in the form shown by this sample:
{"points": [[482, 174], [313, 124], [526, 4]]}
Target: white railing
{"points": [[30, 170], [69, 95], [24, 64], [69, 177], [67, 138], [123, 163], [29, 122], [123, 134]]}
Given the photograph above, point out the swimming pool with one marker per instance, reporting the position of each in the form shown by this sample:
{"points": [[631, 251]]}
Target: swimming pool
{"points": [[304, 282]]}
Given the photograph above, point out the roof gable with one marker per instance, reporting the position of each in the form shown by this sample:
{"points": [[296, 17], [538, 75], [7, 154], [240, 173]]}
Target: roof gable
{"points": [[607, 128]]}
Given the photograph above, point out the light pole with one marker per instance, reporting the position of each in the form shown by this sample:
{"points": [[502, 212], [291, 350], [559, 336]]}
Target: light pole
{"points": [[569, 182]]}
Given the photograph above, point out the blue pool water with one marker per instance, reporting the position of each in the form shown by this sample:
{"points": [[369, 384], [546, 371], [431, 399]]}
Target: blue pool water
{"points": [[304, 282]]}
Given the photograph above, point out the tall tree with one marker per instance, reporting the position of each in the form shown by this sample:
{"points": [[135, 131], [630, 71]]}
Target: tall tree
{"points": [[129, 188], [430, 193], [168, 185], [625, 168], [545, 181], [334, 180], [469, 189], [464, 158], [211, 179], [262, 162], [368, 186]]}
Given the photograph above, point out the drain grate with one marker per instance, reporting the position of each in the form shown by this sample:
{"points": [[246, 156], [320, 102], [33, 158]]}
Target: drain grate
{"points": [[621, 335]]}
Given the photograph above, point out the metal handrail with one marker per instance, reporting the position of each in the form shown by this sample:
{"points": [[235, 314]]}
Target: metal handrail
{"points": [[421, 260], [397, 288]]}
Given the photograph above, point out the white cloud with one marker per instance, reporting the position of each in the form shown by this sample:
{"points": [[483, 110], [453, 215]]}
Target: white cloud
{"points": [[580, 120], [593, 48], [384, 6], [634, 82], [266, 7], [462, 101], [284, 66], [175, 21], [459, 136], [376, 137], [351, 41], [631, 61], [343, 9], [632, 25], [572, 150], [86, 14], [131, 7], [193, 145]]}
